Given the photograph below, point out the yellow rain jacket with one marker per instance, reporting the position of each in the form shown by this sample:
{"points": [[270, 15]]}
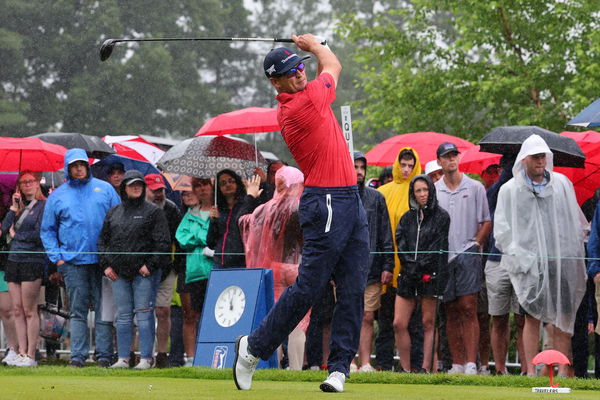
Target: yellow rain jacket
{"points": [[396, 199]]}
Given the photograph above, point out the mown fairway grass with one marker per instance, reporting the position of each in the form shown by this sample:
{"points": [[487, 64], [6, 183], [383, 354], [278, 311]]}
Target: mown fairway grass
{"points": [[63, 383]]}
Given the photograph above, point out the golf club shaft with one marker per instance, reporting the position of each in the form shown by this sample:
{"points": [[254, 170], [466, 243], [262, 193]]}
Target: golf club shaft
{"points": [[229, 39], [109, 44]]}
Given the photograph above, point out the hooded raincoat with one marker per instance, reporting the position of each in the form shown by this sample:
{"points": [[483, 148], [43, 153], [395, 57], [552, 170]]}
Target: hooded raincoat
{"points": [[396, 199], [74, 214], [422, 239], [540, 232], [272, 234]]}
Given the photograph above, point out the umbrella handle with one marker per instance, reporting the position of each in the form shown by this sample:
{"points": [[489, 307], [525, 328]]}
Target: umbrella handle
{"points": [[255, 151], [552, 384]]}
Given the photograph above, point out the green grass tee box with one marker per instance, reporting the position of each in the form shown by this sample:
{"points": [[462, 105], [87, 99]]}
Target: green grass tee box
{"points": [[62, 383]]}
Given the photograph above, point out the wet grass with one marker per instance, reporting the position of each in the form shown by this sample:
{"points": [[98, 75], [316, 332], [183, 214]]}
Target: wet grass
{"points": [[47, 383], [59, 369]]}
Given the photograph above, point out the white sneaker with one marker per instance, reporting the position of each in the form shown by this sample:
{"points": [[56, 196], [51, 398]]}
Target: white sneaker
{"points": [[484, 370], [121, 363], [10, 358], [315, 368], [25, 361], [470, 368], [189, 362], [244, 364], [144, 363], [457, 369], [367, 368], [353, 367], [334, 382]]}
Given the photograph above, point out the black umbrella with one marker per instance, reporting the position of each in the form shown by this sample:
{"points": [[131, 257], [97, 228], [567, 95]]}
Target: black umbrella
{"points": [[94, 146], [508, 140]]}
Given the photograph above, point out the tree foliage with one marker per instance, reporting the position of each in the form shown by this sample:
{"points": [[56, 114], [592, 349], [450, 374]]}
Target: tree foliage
{"points": [[53, 78], [465, 66]]}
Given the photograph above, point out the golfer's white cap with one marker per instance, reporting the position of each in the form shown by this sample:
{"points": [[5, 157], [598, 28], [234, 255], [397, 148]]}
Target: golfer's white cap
{"points": [[432, 166]]}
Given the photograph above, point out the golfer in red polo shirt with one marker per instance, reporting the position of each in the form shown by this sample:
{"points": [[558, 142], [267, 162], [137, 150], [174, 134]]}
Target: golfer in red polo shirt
{"points": [[334, 223]]}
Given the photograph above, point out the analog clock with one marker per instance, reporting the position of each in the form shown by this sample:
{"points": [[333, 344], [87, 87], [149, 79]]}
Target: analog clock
{"points": [[230, 306]]}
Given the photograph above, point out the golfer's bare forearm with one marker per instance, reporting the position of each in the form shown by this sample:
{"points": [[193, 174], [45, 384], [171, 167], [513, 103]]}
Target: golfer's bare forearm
{"points": [[327, 61]]}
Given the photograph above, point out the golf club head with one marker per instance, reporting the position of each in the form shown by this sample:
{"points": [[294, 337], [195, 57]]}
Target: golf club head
{"points": [[107, 48]]}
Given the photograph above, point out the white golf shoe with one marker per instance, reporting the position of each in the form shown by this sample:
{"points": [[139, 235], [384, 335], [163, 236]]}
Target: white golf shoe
{"points": [[334, 382], [244, 364]]}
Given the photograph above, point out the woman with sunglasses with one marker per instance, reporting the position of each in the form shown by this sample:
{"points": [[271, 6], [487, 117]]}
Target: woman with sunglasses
{"points": [[232, 202], [26, 263]]}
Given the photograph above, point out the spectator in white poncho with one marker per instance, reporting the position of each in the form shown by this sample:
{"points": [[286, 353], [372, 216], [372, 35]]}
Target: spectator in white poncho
{"points": [[540, 230]]}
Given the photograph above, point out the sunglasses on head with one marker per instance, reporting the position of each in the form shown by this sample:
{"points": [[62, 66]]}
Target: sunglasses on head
{"points": [[292, 71]]}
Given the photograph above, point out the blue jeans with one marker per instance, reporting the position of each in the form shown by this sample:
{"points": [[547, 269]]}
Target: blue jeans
{"points": [[84, 288], [336, 245], [135, 295]]}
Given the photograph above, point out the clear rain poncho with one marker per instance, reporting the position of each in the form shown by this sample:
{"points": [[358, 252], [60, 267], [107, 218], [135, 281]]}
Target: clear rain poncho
{"points": [[541, 236]]}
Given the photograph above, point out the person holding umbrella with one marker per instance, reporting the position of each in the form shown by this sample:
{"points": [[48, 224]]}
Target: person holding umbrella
{"points": [[232, 202], [333, 220], [26, 262]]}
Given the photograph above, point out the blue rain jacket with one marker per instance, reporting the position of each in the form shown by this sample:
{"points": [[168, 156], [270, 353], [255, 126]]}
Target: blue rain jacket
{"points": [[74, 215]]}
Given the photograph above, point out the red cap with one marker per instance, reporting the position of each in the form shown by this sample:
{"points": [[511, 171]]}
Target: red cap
{"points": [[155, 181]]}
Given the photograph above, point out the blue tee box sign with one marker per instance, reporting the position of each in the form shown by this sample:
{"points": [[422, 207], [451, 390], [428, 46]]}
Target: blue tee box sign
{"points": [[236, 302]]}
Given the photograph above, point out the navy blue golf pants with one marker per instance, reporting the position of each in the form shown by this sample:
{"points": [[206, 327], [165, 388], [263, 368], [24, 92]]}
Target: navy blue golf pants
{"points": [[336, 246]]}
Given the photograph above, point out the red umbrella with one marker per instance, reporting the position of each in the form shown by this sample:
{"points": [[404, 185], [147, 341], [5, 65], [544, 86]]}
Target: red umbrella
{"points": [[246, 120], [33, 154], [474, 161], [424, 143], [587, 179], [550, 357], [135, 147]]}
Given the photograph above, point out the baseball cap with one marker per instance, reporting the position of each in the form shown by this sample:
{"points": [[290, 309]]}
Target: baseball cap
{"points": [[154, 181], [490, 168], [132, 176], [281, 60], [446, 148], [85, 160], [432, 166]]}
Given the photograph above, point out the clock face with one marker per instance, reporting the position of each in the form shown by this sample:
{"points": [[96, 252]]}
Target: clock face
{"points": [[230, 306]]}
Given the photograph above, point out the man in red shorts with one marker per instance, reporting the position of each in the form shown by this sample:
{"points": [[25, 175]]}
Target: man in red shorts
{"points": [[334, 223]]}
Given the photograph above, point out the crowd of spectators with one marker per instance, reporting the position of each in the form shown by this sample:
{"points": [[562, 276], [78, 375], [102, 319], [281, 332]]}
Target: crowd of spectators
{"points": [[122, 249]]}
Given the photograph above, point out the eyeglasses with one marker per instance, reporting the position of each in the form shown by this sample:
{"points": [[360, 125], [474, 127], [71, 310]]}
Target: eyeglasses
{"points": [[292, 71], [27, 182], [227, 181]]}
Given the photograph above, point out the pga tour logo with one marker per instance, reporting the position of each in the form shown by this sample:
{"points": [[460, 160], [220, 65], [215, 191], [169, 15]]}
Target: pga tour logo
{"points": [[219, 357]]}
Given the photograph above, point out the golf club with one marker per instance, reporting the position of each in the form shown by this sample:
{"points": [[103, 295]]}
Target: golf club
{"points": [[109, 44]]}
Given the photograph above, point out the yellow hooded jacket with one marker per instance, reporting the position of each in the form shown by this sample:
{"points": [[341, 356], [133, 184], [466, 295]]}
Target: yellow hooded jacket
{"points": [[396, 199]]}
